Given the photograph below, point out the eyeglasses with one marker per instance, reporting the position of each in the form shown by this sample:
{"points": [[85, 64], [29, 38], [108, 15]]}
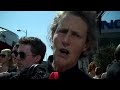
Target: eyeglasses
{"points": [[23, 55], [2, 55], [15, 52]]}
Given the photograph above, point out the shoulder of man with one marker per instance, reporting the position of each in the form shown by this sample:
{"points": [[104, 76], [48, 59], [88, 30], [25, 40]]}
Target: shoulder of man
{"points": [[40, 71], [7, 75], [36, 71]]}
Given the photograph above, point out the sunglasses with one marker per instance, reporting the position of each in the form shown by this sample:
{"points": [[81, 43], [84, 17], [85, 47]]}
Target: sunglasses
{"points": [[23, 55], [15, 53], [2, 55]]}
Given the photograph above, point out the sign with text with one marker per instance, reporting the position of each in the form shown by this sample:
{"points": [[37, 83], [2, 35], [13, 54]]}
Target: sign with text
{"points": [[112, 26]]}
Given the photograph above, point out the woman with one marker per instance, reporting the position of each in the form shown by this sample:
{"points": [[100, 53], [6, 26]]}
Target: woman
{"points": [[7, 64], [72, 36]]}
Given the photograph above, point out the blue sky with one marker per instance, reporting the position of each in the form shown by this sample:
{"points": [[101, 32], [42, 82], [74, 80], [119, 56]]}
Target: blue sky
{"points": [[111, 15], [37, 23]]}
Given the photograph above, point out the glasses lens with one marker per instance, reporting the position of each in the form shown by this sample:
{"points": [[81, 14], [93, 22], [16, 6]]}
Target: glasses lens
{"points": [[22, 55], [15, 52]]}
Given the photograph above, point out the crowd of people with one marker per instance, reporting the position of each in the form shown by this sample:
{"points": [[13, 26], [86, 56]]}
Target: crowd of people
{"points": [[73, 36]]}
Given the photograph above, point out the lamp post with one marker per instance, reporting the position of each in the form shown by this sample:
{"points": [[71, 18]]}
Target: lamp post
{"points": [[23, 31]]}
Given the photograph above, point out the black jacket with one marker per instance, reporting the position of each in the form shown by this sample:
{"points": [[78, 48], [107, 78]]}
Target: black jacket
{"points": [[74, 74], [36, 71]]}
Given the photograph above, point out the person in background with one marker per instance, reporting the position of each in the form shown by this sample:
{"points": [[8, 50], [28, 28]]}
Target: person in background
{"points": [[98, 73], [7, 64], [91, 69], [113, 72], [72, 36], [31, 52], [103, 76], [14, 54]]}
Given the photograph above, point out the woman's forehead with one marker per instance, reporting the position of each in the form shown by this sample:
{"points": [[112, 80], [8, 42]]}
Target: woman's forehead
{"points": [[73, 22]]}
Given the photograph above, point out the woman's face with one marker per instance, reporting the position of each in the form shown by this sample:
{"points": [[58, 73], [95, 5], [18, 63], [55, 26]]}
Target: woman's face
{"points": [[69, 41]]}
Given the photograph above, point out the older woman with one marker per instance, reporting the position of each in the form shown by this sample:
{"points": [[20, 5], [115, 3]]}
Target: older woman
{"points": [[72, 37]]}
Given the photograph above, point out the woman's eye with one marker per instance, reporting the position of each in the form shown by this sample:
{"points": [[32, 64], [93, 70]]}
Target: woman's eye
{"points": [[76, 34], [62, 31]]}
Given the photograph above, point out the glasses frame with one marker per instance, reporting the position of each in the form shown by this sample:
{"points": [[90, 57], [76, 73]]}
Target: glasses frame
{"points": [[15, 53], [23, 55]]}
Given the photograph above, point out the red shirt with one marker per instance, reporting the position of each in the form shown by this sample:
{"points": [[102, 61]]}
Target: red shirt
{"points": [[54, 75]]}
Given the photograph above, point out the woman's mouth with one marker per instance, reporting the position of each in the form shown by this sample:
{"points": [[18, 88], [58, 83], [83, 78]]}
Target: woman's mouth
{"points": [[64, 53]]}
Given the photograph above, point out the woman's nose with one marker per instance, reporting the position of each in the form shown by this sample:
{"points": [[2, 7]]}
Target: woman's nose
{"points": [[66, 40]]}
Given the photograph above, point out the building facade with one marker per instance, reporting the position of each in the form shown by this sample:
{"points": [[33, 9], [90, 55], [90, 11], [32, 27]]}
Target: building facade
{"points": [[7, 38], [110, 28]]}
